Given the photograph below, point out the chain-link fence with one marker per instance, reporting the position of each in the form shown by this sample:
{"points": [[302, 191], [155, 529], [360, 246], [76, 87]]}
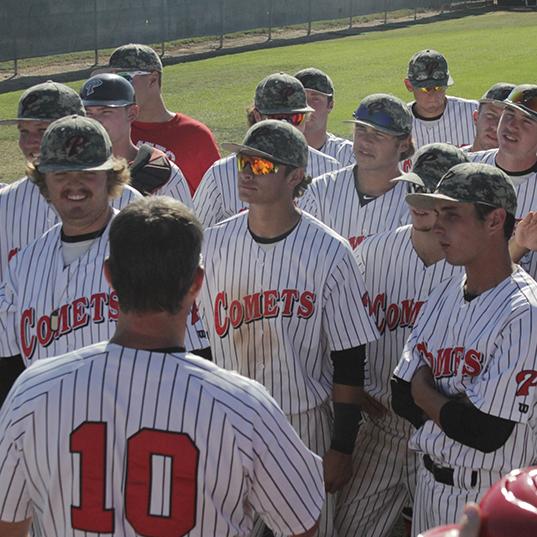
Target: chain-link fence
{"points": [[48, 27]]}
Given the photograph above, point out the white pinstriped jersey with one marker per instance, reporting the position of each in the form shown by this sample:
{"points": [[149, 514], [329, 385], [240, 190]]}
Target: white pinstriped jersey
{"points": [[332, 198], [129, 442], [37, 284], [487, 350], [397, 285], [456, 126], [526, 194], [25, 215], [217, 196], [176, 187], [275, 311], [338, 148]]}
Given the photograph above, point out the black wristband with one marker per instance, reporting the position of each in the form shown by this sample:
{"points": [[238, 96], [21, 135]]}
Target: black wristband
{"points": [[347, 417]]}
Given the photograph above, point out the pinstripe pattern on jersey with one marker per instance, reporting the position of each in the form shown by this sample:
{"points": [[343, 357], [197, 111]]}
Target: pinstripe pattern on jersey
{"points": [[37, 283], [478, 348], [249, 456], [176, 187], [338, 148], [25, 215], [526, 194], [217, 196], [332, 198], [456, 126], [274, 312]]}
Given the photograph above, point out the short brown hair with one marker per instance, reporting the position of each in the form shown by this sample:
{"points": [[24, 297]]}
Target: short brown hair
{"points": [[155, 246], [118, 177]]}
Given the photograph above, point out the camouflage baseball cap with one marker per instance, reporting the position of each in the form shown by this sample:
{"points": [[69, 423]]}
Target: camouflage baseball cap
{"points": [[385, 113], [316, 80], [428, 68], [135, 57], [274, 140], [47, 102], [75, 143], [497, 93], [524, 98], [281, 93], [471, 182], [430, 163]]}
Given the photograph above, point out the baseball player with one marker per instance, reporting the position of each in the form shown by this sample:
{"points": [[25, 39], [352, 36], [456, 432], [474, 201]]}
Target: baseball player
{"points": [[109, 99], [110, 439], [487, 116], [282, 301], [517, 156], [466, 378], [185, 141], [320, 96], [362, 199], [24, 213], [278, 96], [54, 298], [400, 268], [437, 117]]}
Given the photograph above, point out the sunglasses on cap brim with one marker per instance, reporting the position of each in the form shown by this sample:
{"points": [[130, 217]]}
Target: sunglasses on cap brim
{"points": [[258, 165], [129, 75], [294, 119], [520, 100]]}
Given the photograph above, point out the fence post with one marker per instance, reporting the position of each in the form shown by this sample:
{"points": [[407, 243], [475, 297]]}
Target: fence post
{"points": [[385, 11], [309, 17], [162, 27], [95, 33], [222, 23], [415, 10], [350, 14], [270, 21]]}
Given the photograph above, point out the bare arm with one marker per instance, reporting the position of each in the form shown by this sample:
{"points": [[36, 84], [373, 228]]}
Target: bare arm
{"points": [[15, 529]]}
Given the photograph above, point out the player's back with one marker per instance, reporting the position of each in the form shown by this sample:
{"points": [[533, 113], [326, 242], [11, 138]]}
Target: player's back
{"points": [[132, 442]]}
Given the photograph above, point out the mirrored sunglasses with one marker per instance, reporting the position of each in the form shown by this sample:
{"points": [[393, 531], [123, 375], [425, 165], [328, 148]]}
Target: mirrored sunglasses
{"points": [[294, 119], [431, 89], [258, 165]]}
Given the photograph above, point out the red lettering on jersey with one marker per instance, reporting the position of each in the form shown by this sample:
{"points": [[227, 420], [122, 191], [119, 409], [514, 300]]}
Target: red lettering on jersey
{"points": [[270, 303], [12, 253], [113, 306], [64, 326], [44, 331], [410, 311], [97, 302], [425, 354], [443, 366], [236, 313], [80, 315], [473, 363], [356, 241], [525, 379], [27, 342], [392, 317], [221, 322], [307, 305], [289, 297], [252, 307]]}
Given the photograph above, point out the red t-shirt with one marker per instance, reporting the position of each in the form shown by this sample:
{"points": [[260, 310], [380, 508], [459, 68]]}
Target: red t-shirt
{"points": [[185, 141]]}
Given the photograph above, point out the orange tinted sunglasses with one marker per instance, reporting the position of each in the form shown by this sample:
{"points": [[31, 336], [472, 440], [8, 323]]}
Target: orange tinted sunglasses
{"points": [[295, 119], [258, 165], [430, 89]]}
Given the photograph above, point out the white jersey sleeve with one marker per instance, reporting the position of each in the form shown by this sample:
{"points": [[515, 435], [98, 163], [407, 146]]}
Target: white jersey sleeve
{"points": [[128, 195], [176, 187], [9, 345]]}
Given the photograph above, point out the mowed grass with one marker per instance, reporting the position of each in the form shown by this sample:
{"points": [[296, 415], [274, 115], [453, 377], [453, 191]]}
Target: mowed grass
{"points": [[481, 50]]}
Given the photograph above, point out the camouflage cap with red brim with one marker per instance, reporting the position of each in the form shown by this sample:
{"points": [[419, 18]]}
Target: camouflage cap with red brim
{"points": [[75, 143], [47, 102], [281, 93]]}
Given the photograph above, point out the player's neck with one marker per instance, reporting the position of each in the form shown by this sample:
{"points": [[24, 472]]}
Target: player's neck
{"points": [[155, 111], [515, 163], [316, 139], [124, 148], [375, 182], [427, 247], [488, 270], [76, 228], [271, 221], [429, 114], [150, 330]]}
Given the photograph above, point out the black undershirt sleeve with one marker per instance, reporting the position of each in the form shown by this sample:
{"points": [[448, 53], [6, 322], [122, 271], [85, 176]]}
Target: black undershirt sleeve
{"points": [[469, 426], [403, 403], [10, 368], [204, 353], [349, 366]]}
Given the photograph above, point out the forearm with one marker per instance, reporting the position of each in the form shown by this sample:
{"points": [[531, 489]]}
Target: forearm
{"points": [[428, 399], [517, 252], [403, 403]]}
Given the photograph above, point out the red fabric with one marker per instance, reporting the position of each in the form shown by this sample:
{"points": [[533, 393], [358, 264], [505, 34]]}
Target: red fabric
{"points": [[185, 141]]}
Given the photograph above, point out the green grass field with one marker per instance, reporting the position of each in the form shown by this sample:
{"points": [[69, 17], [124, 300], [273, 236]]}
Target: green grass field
{"points": [[481, 50]]}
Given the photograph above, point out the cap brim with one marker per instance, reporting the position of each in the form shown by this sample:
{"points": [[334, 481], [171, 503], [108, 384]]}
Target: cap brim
{"points": [[55, 167], [253, 152], [320, 92], [376, 127], [14, 121], [529, 113], [432, 82], [269, 112], [492, 101], [108, 104], [410, 177], [428, 201]]}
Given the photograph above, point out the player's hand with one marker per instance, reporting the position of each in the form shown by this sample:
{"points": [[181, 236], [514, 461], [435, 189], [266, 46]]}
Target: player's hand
{"points": [[373, 408], [470, 521], [337, 469], [526, 232]]}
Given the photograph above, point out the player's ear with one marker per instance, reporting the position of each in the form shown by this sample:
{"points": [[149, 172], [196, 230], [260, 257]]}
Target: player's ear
{"points": [[496, 221], [408, 85], [331, 104], [475, 113], [257, 115], [132, 112], [107, 273], [199, 275]]}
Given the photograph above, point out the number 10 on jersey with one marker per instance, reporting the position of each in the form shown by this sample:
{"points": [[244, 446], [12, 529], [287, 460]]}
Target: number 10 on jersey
{"points": [[89, 440]]}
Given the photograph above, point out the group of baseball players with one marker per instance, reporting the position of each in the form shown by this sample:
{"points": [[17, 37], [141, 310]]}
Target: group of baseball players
{"points": [[310, 336]]}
